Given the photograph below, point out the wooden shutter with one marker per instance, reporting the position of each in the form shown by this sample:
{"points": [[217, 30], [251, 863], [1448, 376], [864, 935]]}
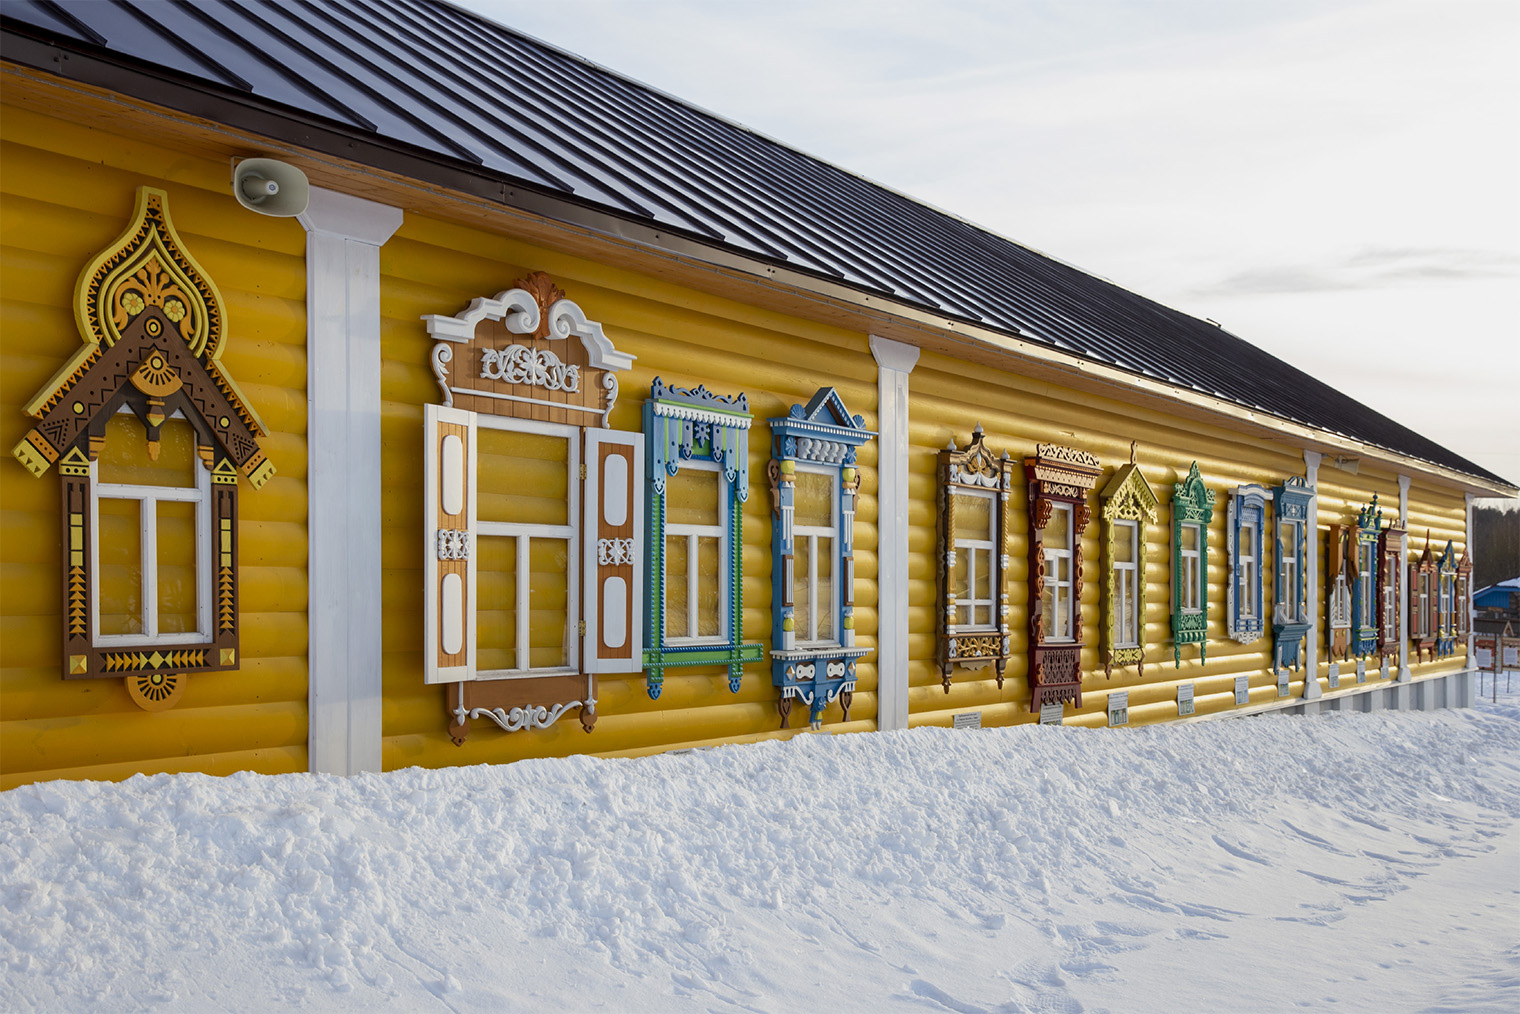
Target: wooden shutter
{"points": [[449, 545], [613, 552]]}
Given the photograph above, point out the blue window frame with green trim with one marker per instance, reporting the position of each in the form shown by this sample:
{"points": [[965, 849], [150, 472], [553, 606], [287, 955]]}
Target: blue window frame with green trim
{"points": [[698, 474]]}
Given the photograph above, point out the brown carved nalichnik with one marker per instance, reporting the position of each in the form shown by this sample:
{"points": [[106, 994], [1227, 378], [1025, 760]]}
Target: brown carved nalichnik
{"points": [[1058, 477], [153, 328]]}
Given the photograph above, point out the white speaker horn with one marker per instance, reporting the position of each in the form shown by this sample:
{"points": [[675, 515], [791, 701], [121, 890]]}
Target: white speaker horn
{"points": [[270, 187]]}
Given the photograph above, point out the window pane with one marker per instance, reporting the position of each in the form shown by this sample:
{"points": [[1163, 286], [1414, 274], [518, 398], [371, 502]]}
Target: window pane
{"points": [[676, 618], [825, 589], [176, 568], [691, 498], [983, 560], [496, 602], [708, 587], [120, 542], [1190, 538], [960, 582], [813, 500], [548, 590], [973, 517], [522, 477], [801, 594], [1056, 534], [124, 458], [1124, 542]]}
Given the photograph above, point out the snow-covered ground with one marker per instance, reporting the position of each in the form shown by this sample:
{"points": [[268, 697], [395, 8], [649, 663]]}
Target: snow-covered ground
{"points": [[1360, 862]]}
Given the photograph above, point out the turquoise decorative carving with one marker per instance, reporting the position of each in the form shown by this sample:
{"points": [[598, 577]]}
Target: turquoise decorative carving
{"points": [[813, 655], [1192, 513], [1290, 616], [683, 426]]}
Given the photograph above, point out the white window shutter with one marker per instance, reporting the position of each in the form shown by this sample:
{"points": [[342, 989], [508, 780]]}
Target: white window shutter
{"points": [[449, 550], [614, 552]]}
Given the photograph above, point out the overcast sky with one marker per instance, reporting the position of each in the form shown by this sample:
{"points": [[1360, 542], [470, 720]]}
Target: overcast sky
{"points": [[1335, 181]]}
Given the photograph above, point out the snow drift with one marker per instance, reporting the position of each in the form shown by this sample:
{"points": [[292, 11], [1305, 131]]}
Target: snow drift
{"points": [[1364, 861]]}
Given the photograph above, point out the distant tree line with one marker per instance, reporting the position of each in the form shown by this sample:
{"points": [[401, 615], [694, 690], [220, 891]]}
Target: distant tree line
{"points": [[1496, 545]]}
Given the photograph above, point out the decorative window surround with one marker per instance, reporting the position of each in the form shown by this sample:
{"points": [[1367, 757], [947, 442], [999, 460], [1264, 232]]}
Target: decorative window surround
{"points": [[973, 634], [1192, 509], [894, 362], [1455, 583], [1392, 550], [1364, 571], [343, 239], [601, 521], [153, 326], [1341, 574], [1128, 503], [822, 438], [702, 430], [1424, 602], [1059, 479], [1245, 546], [1294, 505]]}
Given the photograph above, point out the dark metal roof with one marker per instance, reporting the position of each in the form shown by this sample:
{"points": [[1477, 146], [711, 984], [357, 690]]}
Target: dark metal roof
{"points": [[439, 88]]}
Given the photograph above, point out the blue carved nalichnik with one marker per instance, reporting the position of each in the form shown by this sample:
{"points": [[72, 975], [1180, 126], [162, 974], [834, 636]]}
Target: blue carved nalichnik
{"points": [[681, 426], [1245, 607], [1290, 617], [822, 438], [1364, 630]]}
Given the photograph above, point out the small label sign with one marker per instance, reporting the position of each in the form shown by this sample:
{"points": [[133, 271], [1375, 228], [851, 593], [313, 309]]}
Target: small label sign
{"points": [[1335, 675], [1282, 681], [967, 720], [1242, 689], [1050, 714], [1185, 699], [1118, 707], [1361, 670]]}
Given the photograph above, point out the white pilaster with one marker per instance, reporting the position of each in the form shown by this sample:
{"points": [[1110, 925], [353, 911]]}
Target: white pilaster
{"points": [[343, 239], [1311, 568], [894, 361], [1404, 675]]}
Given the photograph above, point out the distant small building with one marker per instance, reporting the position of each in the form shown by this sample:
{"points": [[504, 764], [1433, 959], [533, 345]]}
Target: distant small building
{"points": [[1503, 597]]}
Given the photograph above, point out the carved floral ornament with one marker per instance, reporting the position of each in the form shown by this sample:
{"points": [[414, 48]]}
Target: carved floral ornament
{"points": [[520, 360], [152, 326]]}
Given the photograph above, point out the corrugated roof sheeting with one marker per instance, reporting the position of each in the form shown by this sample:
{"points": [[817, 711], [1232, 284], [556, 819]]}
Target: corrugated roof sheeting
{"points": [[432, 77]]}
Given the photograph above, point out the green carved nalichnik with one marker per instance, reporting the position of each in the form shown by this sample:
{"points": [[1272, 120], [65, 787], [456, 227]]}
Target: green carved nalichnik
{"points": [[1192, 504]]}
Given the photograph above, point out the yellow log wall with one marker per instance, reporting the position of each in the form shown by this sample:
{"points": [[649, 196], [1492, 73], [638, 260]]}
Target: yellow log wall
{"points": [[686, 338], [66, 193], [947, 402]]}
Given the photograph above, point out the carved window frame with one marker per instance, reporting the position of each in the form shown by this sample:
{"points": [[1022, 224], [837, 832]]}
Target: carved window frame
{"points": [[1447, 567], [1245, 591], [1364, 568], [697, 429], [1291, 621], [1192, 506], [1392, 549], [1463, 604], [1340, 614], [1126, 498], [1424, 610], [973, 471], [1057, 476], [821, 437], [153, 327], [533, 363]]}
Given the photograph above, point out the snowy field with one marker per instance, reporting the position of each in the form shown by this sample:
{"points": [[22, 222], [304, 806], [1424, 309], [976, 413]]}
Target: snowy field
{"points": [[1344, 861]]}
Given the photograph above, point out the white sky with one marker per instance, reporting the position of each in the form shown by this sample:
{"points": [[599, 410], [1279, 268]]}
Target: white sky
{"points": [[1335, 181]]}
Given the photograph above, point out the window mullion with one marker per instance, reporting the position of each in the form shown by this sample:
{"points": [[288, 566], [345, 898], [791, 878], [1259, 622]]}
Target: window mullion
{"points": [[692, 586], [148, 515]]}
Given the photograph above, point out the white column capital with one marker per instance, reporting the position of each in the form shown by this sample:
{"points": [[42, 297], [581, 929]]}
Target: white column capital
{"points": [[893, 355], [1311, 462], [339, 214]]}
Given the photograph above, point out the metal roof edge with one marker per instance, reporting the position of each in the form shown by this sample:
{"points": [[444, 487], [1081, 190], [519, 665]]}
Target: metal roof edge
{"points": [[507, 193]]}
